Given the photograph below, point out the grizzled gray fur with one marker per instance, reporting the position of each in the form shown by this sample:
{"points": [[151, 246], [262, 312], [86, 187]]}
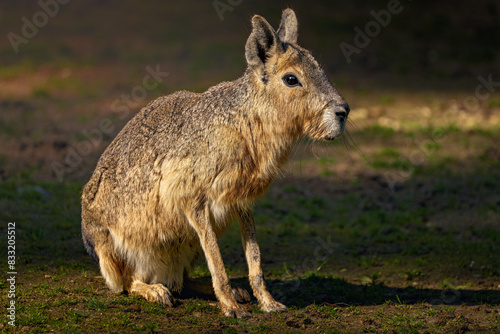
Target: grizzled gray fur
{"points": [[188, 164]]}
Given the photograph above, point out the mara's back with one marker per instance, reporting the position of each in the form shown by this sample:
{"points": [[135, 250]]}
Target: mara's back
{"points": [[179, 150]]}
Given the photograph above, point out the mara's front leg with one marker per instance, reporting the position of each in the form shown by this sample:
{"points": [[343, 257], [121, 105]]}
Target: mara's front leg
{"points": [[252, 254], [199, 219]]}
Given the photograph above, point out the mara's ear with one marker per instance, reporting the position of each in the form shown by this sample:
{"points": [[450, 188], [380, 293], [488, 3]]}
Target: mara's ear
{"points": [[288, 30], [262, 44]]}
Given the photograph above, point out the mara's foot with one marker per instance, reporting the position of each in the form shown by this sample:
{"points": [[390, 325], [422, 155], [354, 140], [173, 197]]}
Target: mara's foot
{"points": [[157, 293], [273, 306], [236, 312]]}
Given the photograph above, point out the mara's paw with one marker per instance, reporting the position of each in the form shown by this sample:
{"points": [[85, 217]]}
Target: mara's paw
{"points": [[156, 293], [240, 293], [236, 312], [160, 294], [273, 306]]}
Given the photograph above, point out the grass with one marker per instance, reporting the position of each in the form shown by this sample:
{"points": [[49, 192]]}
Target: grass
{"points": [[65, 292], [346, 258], [402, 238]]}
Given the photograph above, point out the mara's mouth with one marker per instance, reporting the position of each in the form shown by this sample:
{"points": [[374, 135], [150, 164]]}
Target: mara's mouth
{"points": [[333, 124], [334, 133]]}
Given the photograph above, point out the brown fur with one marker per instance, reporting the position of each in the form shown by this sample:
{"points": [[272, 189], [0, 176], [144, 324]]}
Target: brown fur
{"points": [[188, 164]]}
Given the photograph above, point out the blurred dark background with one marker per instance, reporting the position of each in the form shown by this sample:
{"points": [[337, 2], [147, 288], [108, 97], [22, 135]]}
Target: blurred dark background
{"points": [[66, 77], [433, 39]]}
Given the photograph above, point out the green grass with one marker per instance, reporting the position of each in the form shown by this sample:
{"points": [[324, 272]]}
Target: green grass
{"points": [[346, 252], [380, 132], [386, 100], [40, 92]]}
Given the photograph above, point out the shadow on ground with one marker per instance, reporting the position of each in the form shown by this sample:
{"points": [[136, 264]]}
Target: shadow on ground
{"points": [[338, 292], [320, 290]]}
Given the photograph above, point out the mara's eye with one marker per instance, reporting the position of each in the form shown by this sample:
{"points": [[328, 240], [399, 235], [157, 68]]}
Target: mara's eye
{"points": [[291, 80]]}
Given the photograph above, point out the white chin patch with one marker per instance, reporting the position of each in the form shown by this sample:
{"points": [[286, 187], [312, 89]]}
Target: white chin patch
{"points": [[334, 127]]}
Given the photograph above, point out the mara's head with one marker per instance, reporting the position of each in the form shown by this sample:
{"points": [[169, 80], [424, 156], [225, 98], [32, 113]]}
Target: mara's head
{"points": [[292, 81]]}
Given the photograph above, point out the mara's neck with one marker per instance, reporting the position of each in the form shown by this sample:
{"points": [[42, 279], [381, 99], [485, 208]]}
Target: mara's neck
{"points": [[267, 131]]}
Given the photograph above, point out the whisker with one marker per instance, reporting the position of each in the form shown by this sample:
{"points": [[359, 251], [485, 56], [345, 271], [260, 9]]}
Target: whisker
{"points": [[298, 146], [313, 146], [347, 146], [350, 142]]}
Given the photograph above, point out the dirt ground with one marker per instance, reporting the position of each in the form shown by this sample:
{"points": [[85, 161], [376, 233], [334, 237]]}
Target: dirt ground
{"points": [[393, 228]]}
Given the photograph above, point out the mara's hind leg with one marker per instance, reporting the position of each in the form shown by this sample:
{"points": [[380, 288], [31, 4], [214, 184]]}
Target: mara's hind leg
{"points": [[154, 276], [112, 269], [121, 277], [100, 246], [157, 293]]}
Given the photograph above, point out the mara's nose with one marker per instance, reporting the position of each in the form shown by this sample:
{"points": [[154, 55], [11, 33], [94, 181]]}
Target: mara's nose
{"points": [[341, 115], [343, 112]]}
